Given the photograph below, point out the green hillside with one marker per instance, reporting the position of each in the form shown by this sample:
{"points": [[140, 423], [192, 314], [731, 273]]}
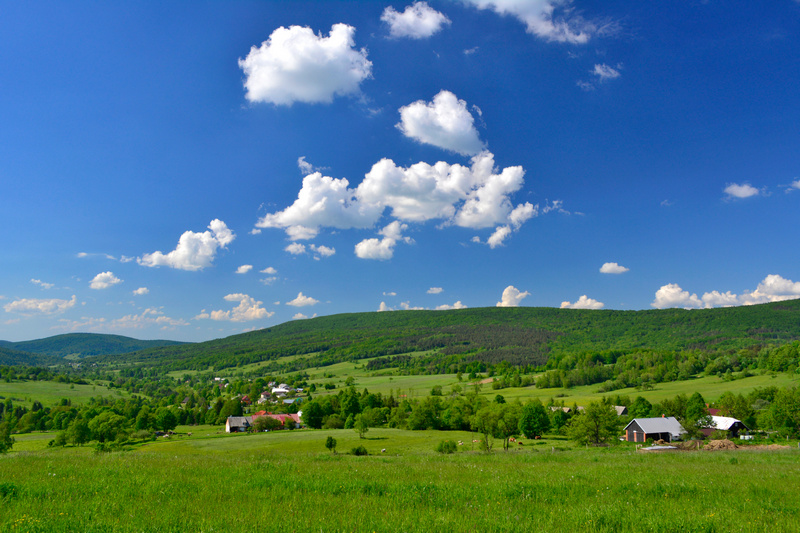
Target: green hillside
{"points": [[79, 345], [12, 357], [520, 336]]}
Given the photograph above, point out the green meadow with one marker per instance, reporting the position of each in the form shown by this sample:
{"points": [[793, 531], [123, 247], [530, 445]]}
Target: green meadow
{"points": [[50, 393], [288, 480]]}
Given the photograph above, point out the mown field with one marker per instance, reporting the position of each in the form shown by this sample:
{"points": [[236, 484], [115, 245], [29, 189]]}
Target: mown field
{"points": [[288, 480]]}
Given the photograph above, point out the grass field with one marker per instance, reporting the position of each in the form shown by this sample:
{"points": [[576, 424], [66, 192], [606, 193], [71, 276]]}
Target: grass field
{"points": [[50, 393], [288, 481]]}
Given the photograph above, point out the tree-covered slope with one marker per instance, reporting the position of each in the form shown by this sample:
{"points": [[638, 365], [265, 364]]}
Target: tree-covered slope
{"points": [[522, 335], [85, 344], [10, 357]]}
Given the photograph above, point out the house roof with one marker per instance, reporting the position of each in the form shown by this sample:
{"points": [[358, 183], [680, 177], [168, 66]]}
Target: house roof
{"points": [[724, 423], [621, 410], [667, 424], [239, 421]]}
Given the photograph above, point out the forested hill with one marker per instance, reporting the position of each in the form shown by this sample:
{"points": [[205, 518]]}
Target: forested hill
{"points": [[11, 357], [521, 336], [78, 345]]}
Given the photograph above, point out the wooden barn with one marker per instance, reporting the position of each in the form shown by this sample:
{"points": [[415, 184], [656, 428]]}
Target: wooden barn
{"points": [[664, 428]]}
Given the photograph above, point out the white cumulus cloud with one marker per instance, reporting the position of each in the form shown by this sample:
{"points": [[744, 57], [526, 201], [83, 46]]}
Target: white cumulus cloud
{"points": [[418, 21], [249, 309], [244, 269], [478, 196], [435, 290], [672, 295], [773, 288], [744, 190], [302, 301], [295, 65], [29, 306], [42, 284], [195, 251], [383, 249], [322, 251], [613, 268], [583, 302], [296, 248], [552, 20], [512, 297], [446, 307], [445, 123], [104, 280], [141, 291]]}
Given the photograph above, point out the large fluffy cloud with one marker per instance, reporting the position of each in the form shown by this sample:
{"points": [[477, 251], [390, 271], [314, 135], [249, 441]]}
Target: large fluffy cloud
{"points": [[773, 288], [29, 306], [195, 251], [104, 280], [583, 302], [471, 197], [248, 309], [445, 123], [295, 65], [323, 202], [552, 20], [418, 21], [474, 197], [512, 297]]}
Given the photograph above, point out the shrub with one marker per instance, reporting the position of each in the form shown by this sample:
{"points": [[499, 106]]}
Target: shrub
{"points": [[447, 446], [359, 450], [8, 490]]}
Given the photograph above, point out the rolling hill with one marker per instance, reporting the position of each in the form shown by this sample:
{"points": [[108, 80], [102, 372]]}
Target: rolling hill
{"points": [[521, 336], [79, 345]]}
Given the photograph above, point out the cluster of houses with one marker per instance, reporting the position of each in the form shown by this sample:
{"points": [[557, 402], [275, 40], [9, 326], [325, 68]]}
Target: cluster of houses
{"points": [[280, 391], [240, 424]]}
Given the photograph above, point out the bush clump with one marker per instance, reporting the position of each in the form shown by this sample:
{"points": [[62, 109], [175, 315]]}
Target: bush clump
{"points": [[359, 450], [447, 446]]}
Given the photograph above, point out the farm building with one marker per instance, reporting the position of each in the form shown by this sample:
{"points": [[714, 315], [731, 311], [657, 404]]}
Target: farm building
{"points": [[724, 423], [664, 428], [238, 424], [621, 410]]}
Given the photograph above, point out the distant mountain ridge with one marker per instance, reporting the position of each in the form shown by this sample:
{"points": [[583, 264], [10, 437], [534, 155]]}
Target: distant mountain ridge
{"points": [[80, 345]]}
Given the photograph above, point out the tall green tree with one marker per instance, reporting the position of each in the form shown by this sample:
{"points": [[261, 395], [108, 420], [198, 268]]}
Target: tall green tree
{"points": [[361, 425], [6, 440], [598, 424], [534, 421]]}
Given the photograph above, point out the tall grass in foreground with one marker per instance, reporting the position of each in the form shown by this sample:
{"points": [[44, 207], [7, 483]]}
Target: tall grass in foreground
{"points": [[184, 488]]}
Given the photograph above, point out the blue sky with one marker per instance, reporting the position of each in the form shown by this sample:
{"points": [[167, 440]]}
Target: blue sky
{"points": [[192, 170]]}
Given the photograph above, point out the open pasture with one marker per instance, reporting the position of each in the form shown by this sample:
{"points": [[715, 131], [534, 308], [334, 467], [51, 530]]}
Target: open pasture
{"points": [[50, 393], [209, 483]]}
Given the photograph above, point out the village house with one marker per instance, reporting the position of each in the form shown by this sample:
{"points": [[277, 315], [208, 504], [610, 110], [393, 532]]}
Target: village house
{"points": [[238, 424], [724, 423], [284, 419], [666, 428]]}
